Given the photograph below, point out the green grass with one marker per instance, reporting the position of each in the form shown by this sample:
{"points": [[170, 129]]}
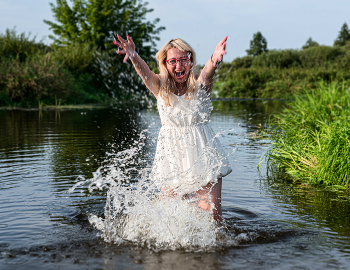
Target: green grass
{"points": [[311, 137]]}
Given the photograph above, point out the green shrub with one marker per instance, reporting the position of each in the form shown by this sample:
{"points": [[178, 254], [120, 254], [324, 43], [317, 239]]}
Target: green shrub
{"points": [[277, 59], [320, 56], [242, 62], [76, 57], [37, 78], [20, 47], [31, 71], [283, 73]]}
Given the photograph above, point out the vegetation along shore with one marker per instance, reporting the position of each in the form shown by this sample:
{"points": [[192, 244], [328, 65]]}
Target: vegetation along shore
{"points": [[80, 66], [311, 137], [265, 73]]}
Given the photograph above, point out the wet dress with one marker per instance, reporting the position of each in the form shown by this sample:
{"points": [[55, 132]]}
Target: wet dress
{"points": [[188, 154]]}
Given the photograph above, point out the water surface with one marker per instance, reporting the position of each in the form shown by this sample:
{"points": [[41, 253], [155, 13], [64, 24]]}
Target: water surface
{"points": [[281, 224]]}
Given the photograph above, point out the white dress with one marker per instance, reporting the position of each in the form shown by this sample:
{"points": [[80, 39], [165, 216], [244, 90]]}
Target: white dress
{"points": [[188, 154]]}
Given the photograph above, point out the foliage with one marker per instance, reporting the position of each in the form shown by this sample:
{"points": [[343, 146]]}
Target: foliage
{"points": [[343, 36], [93, 22], [311, 138], [283, 73], [243, 62], [310, 43], [76, 57], [31, 71], [321, 56], [81, 65], [33, 79], [19, 47], [277, 59], [258, 45]]}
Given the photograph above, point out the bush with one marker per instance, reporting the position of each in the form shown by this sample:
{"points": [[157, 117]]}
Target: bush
{"points": [[283, 73], [37, 78], [277, 59], [31, 71], [242, 62], [320, 56], [19, 47], [76, 57]]}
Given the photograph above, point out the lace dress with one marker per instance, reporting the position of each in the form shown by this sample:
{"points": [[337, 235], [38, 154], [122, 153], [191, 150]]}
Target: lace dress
{"points": [[188, 154]]}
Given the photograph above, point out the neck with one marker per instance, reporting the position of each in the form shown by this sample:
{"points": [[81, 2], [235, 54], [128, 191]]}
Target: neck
{"points": [[181, 89]]}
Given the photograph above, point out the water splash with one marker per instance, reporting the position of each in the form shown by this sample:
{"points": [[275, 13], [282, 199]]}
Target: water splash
{"points": [[137, 212], [157, 205]]}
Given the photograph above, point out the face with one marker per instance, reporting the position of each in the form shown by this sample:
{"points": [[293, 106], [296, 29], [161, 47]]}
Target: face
{"points": [[180, 71]]}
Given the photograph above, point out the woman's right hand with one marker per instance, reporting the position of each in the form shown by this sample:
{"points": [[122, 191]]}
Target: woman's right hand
{"points": [[127, 47], [151, 80]]}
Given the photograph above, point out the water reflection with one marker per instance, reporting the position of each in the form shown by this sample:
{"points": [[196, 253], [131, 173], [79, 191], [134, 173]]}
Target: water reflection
{"points": [[326, 209], [249, 112]]}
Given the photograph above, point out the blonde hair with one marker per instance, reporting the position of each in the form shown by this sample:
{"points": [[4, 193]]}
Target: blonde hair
{"points": [[167, 83]]}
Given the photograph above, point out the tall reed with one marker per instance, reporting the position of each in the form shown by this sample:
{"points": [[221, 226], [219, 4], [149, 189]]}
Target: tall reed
{"points": [[311, 137]]}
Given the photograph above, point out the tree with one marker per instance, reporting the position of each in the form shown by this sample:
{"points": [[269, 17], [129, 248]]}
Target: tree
{"points": [[258, 45], [93, 22], [310, 43], [343, 36]]}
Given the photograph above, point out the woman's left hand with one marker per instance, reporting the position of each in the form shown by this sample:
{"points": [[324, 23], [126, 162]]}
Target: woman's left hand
{"points": [[219, 52]]}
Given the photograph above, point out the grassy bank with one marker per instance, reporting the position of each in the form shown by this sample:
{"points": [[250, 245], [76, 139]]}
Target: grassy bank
{"points": [[283, 73], [311, 137]]}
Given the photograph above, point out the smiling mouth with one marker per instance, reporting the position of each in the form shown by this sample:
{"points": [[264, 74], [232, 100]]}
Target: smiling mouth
{"points": [[180, 74]]}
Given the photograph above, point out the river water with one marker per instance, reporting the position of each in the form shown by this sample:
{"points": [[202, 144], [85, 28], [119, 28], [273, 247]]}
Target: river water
{"points": [[271, 222]]}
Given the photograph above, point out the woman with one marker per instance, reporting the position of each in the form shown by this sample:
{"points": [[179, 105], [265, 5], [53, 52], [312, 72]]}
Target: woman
{"points": [[189, 159]]}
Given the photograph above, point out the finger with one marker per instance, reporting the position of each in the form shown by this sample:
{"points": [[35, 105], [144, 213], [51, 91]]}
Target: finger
{"points": [[129, 39], [121, 39], [224, 40], [223, 48], [126, 58], [118, 44], [120, 52]]}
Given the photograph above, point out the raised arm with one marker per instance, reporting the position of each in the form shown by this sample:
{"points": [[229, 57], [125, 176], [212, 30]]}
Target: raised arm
{"points": [[207, 74], [149, 78]]}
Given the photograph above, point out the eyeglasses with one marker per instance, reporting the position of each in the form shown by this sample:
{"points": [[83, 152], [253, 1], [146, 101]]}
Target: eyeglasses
{"points": [[182, 61]]}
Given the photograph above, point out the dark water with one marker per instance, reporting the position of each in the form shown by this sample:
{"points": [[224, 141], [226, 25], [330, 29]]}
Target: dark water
{"points": [[43, 226]]}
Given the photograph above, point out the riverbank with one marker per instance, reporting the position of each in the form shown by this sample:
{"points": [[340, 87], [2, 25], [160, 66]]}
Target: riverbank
{"points": [[135, 105], [311, 137], [60, 107]]}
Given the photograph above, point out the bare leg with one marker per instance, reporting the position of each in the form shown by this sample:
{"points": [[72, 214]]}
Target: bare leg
{"points": [[209, 199], [170, 193]]}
